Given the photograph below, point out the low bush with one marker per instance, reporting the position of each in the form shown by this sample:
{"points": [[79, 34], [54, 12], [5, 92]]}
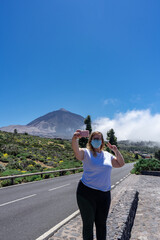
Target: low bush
{"points": [[146, 165], [2, 168], [5, 183], [9, 172]]}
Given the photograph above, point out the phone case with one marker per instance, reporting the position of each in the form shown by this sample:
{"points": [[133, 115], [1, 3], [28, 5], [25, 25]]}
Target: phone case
{"points": [[85, 133]]}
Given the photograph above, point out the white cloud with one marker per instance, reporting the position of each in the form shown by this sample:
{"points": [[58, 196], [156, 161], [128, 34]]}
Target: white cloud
{"points": [[133, 125], [112, 101]]}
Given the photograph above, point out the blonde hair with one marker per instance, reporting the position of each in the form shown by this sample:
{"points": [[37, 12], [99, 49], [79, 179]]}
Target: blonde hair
{"points": [[89, 145]]}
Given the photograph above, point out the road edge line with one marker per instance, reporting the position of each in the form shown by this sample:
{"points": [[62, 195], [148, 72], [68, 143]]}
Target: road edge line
{"points": [[51, 232]]}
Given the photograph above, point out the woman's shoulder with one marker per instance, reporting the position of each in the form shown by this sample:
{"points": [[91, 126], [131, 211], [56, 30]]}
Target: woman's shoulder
{"points": [[87, 152]]}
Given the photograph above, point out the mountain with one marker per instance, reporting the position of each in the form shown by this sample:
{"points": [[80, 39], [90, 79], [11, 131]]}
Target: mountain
{"points": [[56, 124]]}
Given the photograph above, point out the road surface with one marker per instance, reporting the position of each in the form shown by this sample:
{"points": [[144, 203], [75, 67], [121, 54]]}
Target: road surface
{"points": [[29, 210]]}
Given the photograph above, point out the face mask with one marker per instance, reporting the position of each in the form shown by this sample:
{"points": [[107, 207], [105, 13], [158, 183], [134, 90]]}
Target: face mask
{"points": [[96, 143]]}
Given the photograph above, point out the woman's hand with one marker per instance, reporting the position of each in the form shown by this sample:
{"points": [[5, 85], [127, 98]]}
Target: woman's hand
{"points": [[112, 147], [77, 134], [119, 160]]}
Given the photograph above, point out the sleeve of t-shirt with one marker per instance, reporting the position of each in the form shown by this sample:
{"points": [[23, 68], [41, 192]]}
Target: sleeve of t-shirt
{"points": [[112, 156], [85, 154]]}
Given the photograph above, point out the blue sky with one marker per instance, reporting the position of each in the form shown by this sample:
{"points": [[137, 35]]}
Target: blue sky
{"points": [[98, 58]]}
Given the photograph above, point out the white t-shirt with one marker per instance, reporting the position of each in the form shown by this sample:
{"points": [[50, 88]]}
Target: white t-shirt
{"points": [[97, 170]]}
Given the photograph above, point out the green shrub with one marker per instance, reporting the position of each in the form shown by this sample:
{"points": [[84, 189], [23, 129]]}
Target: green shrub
{"points": [[128, 157], [5, 183], [30, 167], [9, 172], [2, 168], [13, 164], [146, 165], [33, 178]]}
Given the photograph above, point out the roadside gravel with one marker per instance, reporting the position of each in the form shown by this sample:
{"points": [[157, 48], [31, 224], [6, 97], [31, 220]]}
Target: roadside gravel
{"points": [[147, 219]]}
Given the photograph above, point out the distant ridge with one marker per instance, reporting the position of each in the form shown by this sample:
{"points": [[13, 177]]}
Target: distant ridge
{"points": [[57, 124]]}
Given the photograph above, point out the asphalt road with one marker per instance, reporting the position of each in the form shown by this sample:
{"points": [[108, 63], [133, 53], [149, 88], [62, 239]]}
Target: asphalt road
{"points": [[29, 210]]}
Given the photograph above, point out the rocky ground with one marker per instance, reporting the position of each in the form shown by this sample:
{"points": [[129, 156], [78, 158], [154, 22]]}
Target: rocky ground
{"points": [[147, 220]]}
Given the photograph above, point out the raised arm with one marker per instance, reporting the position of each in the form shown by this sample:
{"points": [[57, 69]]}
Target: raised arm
{"points": [[78, 152], [119, 160]]}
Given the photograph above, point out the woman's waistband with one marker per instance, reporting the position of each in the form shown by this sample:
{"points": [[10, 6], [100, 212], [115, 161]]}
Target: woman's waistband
{"points": [[83, 186]]}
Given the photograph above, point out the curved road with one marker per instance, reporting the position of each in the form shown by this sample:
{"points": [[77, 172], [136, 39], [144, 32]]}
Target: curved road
{"points": [[29, 210]]}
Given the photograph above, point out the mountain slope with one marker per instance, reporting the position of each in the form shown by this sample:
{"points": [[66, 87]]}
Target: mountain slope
{"points": [[60, 123]]}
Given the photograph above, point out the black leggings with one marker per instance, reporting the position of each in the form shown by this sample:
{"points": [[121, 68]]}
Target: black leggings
{"points": [[94, 207]]}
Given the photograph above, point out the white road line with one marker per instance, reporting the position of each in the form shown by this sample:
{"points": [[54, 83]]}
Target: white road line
{"points": [[58, 187], [58, 226], [1, 205]]}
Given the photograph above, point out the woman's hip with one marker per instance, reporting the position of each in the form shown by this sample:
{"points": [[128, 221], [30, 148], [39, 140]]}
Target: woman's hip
{"points": [[88, 192]]}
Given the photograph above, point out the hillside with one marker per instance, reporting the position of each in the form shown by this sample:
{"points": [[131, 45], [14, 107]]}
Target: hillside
{"points": [[21, 153], [142, 146]]}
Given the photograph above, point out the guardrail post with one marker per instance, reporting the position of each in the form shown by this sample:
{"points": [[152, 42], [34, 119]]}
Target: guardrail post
{"points": [[62, 173], [12, 181]]}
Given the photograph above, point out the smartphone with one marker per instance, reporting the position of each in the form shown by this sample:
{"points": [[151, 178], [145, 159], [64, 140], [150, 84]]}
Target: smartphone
{"points": [[84, 133]]}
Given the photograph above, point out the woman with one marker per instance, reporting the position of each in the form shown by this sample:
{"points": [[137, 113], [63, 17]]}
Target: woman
{"points": [[93, 192]]}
